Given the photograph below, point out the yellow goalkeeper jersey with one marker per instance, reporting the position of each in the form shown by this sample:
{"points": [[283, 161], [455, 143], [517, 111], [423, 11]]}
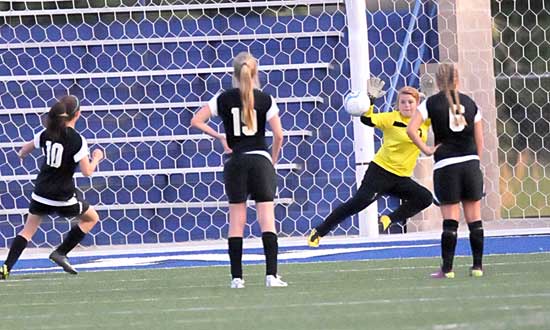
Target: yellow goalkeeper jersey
{"points": [[398, 153]]}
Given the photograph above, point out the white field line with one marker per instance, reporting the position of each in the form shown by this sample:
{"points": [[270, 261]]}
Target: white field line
{"points": [[114, 301], [218, 284], [80, 325], [41, 253], [250, 243], [15, 271], [345, 304], [334, 304]]}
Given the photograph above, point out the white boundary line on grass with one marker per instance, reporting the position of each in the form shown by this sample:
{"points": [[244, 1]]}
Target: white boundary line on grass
{"points": [[252, 243]]}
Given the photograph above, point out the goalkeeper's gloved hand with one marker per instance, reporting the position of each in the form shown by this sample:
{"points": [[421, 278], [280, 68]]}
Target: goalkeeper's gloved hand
{"points": [[375, 88]]}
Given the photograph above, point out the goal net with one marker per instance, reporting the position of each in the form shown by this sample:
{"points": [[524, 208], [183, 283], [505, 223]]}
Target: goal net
{"points": [[142, 68]]}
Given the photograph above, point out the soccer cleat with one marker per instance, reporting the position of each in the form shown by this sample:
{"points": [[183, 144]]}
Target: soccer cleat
{"points": [[62, 261], [274, 282], [385, 221], [313, 239], [237, 283], [476, 272], [441, 274], [4, 272]]}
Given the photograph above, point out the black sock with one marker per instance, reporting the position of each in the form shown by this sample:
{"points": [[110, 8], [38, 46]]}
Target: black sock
{"points": [[236, 256], [476, 242], [74, 237], [448, 244], [17, 246], [271, 249]]}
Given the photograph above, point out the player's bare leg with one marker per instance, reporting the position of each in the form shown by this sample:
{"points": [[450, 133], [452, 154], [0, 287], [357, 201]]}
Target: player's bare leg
{"points": [[266, 218]]}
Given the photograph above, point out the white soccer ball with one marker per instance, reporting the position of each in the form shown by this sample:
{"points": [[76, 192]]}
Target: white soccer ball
{"points": [[356, 103]]}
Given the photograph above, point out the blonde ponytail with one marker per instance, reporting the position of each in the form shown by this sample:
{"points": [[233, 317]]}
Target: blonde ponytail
{"points": [[245, 77], [247, 94], [447, 81]]}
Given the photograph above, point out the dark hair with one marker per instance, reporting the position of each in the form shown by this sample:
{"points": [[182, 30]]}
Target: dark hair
{"points": [[60, 113]]}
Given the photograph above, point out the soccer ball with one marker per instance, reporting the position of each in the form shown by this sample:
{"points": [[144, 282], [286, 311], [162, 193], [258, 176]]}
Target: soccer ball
{"points": [[356, 103]]}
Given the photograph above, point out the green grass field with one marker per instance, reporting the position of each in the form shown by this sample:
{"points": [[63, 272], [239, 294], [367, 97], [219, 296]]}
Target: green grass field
{"points": [[381, 294]]}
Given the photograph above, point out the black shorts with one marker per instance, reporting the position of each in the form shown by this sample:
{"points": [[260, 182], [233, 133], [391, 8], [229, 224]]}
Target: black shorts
{"points": [[249, 175], [458, 182], [69, 211]]}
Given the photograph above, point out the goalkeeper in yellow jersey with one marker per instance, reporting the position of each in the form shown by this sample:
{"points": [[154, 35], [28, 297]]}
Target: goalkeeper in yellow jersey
{"points": [[390, 171]]}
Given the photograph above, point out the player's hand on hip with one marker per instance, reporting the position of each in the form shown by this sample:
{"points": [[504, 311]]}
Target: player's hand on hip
{"points": [[226, 148], [97, 154], [430, 150]]}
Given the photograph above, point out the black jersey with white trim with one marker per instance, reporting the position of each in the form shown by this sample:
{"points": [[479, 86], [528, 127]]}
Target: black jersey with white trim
{"points": [[240, 138], [455, 141], [61, 157]]}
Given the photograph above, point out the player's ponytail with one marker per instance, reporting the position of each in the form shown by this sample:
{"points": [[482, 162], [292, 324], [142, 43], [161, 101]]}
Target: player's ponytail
{"points": [[447, 81], [245, 77], [60, 113]]}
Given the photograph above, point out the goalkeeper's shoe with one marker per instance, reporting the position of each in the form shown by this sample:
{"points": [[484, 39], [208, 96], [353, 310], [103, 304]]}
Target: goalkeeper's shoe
{"points": [[4, 272], [441, 274], [385, 221], [61, 260], [476, 272], [237, 283], [274, 282], [313, 239]]}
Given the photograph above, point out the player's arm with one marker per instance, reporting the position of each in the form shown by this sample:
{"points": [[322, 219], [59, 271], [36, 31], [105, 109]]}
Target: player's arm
{"points": [[30, 146], [87, 166], [272, 117], [26, 149], [199, 121], [277, 129], [412, 131], [478, 136], [366, 118]]}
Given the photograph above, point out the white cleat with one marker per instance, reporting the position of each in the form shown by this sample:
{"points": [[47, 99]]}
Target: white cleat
{"points": [[237, 283], [274, 282]]}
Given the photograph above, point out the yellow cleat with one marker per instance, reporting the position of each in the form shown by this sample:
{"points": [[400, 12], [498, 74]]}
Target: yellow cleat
{"points": [[4, 273], [450, 275], [313, 239], [441, 274], [476, 272], [385, 221]]}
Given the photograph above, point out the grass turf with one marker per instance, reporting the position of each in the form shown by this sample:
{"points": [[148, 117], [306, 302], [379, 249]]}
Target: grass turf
{"points": [[374, 294]]}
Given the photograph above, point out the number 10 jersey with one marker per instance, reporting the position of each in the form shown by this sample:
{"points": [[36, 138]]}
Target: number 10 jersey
{"points": [[55, 181]]}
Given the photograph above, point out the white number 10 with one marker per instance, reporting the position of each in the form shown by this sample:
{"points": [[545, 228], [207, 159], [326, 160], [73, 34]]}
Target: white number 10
{"points": [[54, 154], [237, 120]]}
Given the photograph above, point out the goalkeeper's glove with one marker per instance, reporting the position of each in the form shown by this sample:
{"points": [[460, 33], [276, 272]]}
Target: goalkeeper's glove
{"points": [[375, 88]]}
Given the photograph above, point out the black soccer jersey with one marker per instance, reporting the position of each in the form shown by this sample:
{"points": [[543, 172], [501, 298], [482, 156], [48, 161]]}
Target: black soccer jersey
{"points": [[240, 138], [457, 141], [55, 184]]}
